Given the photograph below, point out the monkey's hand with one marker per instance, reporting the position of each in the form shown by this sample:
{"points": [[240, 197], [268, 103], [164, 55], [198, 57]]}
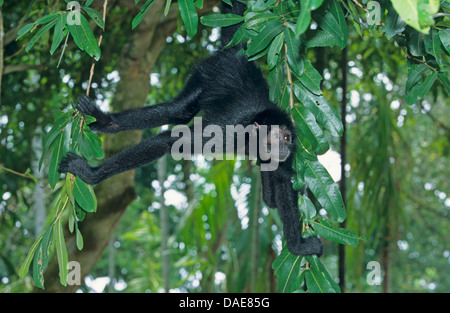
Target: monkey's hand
{"points": [[78, 166], [308, 246], [103, 123]]}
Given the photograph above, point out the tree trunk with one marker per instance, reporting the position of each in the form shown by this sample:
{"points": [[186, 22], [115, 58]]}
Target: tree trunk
{"points": [[111, 265], [115, 194], [39, 194], [342, 184], [164, 221]]}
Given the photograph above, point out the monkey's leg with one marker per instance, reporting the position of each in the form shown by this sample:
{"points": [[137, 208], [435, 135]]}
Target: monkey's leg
{"points": [[145, 152], [180, 111]]}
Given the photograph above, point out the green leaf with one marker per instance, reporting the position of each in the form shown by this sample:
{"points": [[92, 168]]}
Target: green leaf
{"points": [[325, 190], [444, 35], [316, 262], [307, 208], [84, 38], [304, 147], [321, 39], [61, 252], [276, 80], [71, 222], [299, 171], [415, 72], [433, 45], [23, 269], [95, 15], [323, 111], [41, 258], [198, 4], [426, 85], [259, 20], [79, 239], [265, 37], [189, 16], [62, 119], [274, 50], [38, 269], [304, 18], [311, 78], [289, 271], [144, 9], [419, 90], [336, 11], [84, 146], [221, 20], [95, 144], [58, 151], [167, 7], [75, 130], [83, 196], [47, 18], [24, 30], [334, 25], [416, 44], [260, 54], [417, 13], [39, 34], [307, 124], [238, 37], [59, 34], [394, 24], [292, 48], [314, 281], [443, 78], [284, 102], [93, 197], [340, 235], [79, 212], [261, 5]]}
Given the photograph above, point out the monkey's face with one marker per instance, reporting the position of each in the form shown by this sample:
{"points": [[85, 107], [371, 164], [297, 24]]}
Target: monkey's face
{"points": [[280, 137]]}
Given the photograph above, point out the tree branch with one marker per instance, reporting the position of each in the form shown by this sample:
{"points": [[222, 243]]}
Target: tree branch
{"points": [[21, 67]]}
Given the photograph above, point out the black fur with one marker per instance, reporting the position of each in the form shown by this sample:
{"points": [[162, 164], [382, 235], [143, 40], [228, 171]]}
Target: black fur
{"points": [[227, 90]]}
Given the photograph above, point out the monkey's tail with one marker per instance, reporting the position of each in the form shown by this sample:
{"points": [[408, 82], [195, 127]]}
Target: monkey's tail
{"points": [[228, 32]]}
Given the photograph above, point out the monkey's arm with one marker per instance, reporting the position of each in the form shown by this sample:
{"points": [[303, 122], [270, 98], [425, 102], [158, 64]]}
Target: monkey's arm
{"points": [[134, 157]]}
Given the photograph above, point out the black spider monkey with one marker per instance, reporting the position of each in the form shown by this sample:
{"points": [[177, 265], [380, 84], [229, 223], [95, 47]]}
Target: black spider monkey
{"points": [[228, 90]]}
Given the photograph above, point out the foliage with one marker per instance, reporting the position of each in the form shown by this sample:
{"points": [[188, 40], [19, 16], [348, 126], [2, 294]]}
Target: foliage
{"points": [[276, 31], [64, 23], [271, 29], [75, 198]]}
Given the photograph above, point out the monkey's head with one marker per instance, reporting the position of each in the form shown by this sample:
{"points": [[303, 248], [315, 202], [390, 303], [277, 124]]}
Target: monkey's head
{"points": [[278, 137]]}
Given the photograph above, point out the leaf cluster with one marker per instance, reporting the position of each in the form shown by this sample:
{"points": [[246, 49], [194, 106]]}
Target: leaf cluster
{"points": [[70, 21], [273, 29], [74, 198], [281, 33]]}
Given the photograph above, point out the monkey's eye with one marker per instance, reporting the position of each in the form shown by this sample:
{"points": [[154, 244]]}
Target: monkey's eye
{"points": [[287, 138]]}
